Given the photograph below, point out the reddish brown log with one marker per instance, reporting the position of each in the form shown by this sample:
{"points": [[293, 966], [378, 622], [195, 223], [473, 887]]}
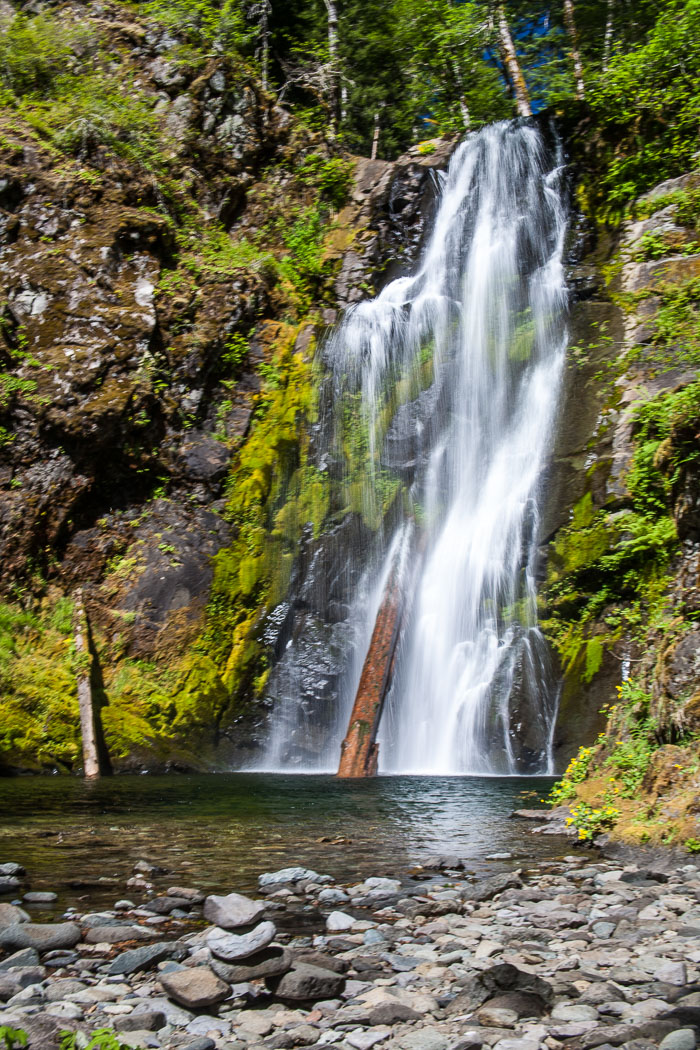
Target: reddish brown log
{"points": [[359, 753]]}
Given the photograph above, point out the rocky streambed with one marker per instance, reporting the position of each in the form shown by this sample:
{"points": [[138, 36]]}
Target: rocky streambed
{"points": [[578, 953]]}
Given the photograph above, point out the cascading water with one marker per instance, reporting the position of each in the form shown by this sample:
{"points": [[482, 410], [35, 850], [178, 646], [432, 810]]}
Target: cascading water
{"points": [[445, 390]]}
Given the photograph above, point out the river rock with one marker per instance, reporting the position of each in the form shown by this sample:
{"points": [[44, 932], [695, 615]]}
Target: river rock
{"points": [[230, 946], [117, 934], [274, 878], [143, 1019], [270, 962], [485, 889], [195, 988], [497, 980], [40, 897], [164, 905], [9, 986], [390, 1013], [325, 962], [232, 911], [682, 1039], [338, 921], [10, 915], [305, 982], [191, 895], [10, 868], [25, 957], [9, 883], [42, 936], [143, 958]]}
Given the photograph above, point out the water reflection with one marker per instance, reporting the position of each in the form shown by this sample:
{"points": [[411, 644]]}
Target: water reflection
{"points": [[221, 831]]}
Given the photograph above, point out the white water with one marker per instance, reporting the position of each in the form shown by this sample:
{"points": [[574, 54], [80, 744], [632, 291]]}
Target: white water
{"points": [[448, 382]]}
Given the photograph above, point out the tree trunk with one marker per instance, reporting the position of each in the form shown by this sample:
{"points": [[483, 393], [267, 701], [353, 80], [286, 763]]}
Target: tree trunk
{"points": [[88, 729], [570, 23], [375, 137], [510, 61], [607, 45], [332, 9], [359, 753]]}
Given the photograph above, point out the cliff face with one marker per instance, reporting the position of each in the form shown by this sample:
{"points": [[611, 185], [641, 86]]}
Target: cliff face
{"points": [[172, 245], [621, 597]]}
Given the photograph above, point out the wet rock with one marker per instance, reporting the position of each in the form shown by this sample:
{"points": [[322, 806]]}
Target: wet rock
{"points": [[144, 958], [9, 884], [10, 868], [42, 937], [274, 878], [195, 988], [305, 982], [232, 911], [39, 897]]}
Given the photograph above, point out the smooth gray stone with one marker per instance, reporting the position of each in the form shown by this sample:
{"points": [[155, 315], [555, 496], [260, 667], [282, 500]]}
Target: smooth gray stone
{"points": [[144, 958], [42, 936], [231, 947], [25, 957], [270, 962], [10, 915], [272, 878], [232, 911], [39, 897], [116, 934], [682, 1039], [166, 905], [8, 883], [12, 869]]}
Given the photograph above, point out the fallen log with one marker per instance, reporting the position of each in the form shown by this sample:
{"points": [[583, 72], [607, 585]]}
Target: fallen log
{"points": [[359, 752]]}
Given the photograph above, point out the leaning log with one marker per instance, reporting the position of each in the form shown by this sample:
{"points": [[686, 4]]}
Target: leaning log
{"points": [[86, 700], [359, 752]]}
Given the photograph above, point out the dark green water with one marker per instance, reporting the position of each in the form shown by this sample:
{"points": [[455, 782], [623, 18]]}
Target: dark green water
{"points": [[219, 832]]}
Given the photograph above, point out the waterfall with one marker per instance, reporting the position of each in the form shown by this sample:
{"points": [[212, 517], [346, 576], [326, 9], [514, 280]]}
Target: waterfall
{"points": [[442, 397]]}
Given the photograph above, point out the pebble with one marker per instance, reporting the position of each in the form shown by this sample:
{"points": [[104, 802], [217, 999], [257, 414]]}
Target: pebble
{"points": [[581, 957]]}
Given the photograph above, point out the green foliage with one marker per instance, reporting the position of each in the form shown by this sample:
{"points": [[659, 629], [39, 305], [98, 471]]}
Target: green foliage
{"points": [[38, 53], [590, 821], [647, 104], [205, 22], [332, 178], [100, 1039], [575, 773], [13, 1037]]}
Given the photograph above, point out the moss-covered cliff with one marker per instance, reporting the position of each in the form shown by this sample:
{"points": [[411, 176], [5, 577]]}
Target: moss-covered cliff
{"points": [[621, 597], [173, 245]]}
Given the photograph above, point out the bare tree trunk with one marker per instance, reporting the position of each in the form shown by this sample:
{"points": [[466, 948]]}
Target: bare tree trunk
{"points": [[265, 34], [510, 60], [375, 137], [570, 23], [607, 46], [332, 9], [88, 730]]}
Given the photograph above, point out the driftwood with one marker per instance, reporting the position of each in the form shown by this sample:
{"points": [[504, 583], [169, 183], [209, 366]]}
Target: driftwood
{"points": [[86, 701], [359, 753]]}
